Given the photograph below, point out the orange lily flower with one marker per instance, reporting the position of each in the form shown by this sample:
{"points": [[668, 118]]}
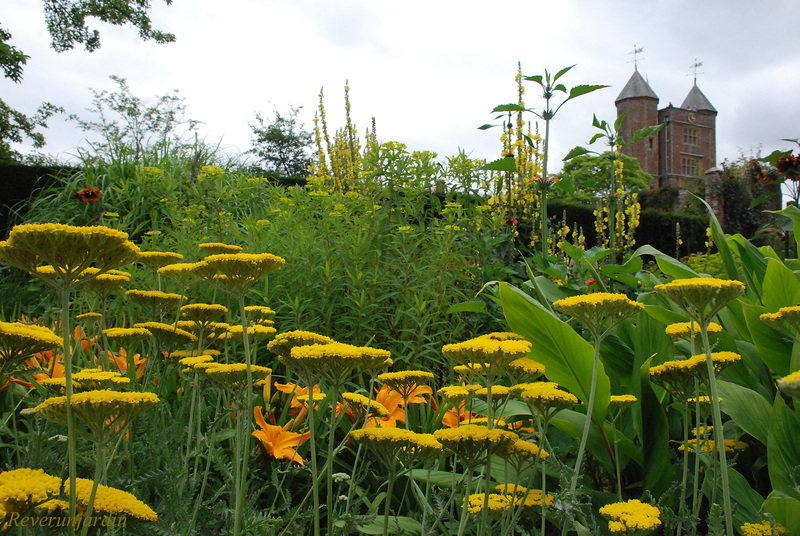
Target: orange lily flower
{"points": [[121, 361], [278, 442], [290, 388], [457, 416], [393, 401]]}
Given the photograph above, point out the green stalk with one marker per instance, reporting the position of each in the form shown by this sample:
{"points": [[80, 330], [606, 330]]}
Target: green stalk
{"points": [[99, 471], [389, 488], [544, 183], [241, 485], [71, 439], [464, 511], [313, 443], [590, 405], [718, 434]]}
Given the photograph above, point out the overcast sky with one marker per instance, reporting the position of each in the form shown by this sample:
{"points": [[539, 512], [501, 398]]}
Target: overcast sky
{"points": [[429, 71]]}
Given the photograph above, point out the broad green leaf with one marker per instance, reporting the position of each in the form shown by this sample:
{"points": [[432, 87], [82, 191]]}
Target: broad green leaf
{"points": [[746, 501], [400, 524], [577, 91], [508, 108], [567, 357], [783, 449], [781, 287], [642, 133], [722, 243], [785, 510], [576, 151], [771, 343], [663, 315], [666, 264], [572, 423], [501, 164], [562, 72], [753, 260], [486, 126], [658, 471], [748, 409], [443, 479]]}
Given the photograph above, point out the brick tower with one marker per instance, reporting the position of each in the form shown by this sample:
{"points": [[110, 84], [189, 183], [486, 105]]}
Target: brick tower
{"points": [[641, 104]]}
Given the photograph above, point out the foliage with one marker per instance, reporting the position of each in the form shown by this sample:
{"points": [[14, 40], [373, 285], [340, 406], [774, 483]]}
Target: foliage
{"points": [[120, 117], [281, 146], [67, 25], [586, 177]]}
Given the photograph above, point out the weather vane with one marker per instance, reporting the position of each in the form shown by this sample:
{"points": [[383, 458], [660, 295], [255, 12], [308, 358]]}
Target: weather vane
{"points": [[694, 67], [636, 52]]}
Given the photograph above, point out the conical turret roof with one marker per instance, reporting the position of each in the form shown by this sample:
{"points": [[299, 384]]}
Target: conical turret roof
{"points": [[696, 101], [636, 88]]}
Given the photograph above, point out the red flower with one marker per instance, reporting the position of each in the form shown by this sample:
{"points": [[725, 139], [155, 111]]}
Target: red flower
{"points": [[591, 282], [87, 195]]}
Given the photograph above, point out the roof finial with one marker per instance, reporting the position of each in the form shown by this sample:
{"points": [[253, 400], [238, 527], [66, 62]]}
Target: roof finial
{"points": [[694, 67], [636, 52]]}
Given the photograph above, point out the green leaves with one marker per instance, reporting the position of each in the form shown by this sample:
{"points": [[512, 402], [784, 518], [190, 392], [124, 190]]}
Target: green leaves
{"points": [[501, 164], [783, 449]]}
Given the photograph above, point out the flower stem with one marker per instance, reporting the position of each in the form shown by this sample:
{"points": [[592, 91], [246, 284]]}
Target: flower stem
{"points": [[71, 439]]}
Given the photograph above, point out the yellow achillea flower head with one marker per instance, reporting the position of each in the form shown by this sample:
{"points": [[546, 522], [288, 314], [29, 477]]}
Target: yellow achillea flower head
{"points": [[184, 272], [111, 501], [547, 398], [473, 443], [238, 271], [595, 310], [522, 496], [154, 298], [790, 315], [530, 368], [203, 313], [218, 248], [191, 362], [496, 351], [790, 384], [23, 489], [20, 341], [362, 406], [335, 359], [389, 443], [622, 401], [255, 332], [522, 451], [108, 282], [684, 329], [405, 382], [763, 529], [454, 394], [259, 312], [234, 376], [102, 410], [702, 297], [127, 335], [68, 249], [88, 379], [710, 446], [283, 343], [631, 515], [496, 502], [166, 333], [157, 259]]}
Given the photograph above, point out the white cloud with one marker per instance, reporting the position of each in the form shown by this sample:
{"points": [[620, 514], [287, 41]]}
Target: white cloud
{"points": [[429, 72]]}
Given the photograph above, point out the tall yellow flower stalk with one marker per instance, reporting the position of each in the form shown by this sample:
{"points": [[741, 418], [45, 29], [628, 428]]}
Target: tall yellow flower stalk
{"points": [[64, 257], [701, 299], [599, 313], [235, 273]]}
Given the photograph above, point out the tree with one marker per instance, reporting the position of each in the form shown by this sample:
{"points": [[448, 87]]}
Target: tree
{"points": [[124, 118], [67, 25], [281, 145], [588, 176]]}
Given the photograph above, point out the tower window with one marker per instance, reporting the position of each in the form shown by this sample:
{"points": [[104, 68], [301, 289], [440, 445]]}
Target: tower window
{"points": [[691, 167], [651, 142], [690, 135]]}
